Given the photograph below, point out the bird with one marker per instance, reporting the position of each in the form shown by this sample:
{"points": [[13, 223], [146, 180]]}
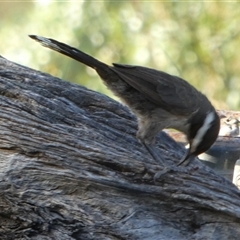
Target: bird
{"points": [[158, 99]]}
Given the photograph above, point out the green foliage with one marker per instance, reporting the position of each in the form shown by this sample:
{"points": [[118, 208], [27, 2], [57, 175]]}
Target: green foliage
{"points": [[198, 41]]}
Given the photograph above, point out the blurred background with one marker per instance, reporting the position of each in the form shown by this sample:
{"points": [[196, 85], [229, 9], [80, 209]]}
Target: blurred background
{"points": [[198, 41]]}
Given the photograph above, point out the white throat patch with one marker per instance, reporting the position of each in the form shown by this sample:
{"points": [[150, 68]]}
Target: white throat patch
{"points": [[201, 132]]}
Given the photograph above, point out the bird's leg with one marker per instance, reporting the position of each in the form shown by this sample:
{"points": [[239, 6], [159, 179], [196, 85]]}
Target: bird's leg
{"points": [[152, 153], [147, 136], [165, 170]]}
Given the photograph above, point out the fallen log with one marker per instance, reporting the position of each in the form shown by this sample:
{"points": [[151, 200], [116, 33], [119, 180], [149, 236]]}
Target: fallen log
{"points": [[72, 168]]}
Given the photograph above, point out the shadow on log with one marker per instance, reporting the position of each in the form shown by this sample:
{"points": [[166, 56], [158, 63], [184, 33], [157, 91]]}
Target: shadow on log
{"points": [[71, 168]]}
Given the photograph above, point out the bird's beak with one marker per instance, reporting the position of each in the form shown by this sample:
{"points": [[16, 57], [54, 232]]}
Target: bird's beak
{"points": [[186, 159]]}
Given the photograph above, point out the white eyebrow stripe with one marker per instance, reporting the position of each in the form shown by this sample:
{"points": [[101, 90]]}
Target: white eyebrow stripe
{"points": [[201, 132]]}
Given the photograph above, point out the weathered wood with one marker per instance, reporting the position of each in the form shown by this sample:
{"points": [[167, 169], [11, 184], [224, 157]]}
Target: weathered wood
{"points": [[71, 168]]}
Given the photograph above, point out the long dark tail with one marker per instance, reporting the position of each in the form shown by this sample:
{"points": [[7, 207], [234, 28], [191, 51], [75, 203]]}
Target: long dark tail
{"points": [[70, 52]]}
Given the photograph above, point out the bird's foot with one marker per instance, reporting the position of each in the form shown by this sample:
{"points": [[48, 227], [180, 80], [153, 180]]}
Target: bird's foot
{"points": [[152, 151], [174, 169], [166, 170]]}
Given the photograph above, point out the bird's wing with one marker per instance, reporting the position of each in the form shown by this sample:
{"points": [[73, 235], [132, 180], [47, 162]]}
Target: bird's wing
{"points": [[169, 92]]}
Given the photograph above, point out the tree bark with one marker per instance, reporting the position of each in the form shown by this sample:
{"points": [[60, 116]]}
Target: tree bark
{"points": [[72, 168]]}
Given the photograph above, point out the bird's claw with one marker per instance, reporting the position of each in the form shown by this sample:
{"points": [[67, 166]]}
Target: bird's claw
{"points": [[166, 170]]}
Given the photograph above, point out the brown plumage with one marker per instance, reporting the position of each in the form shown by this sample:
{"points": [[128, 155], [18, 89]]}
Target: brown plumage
{"points": [[159, 100]]}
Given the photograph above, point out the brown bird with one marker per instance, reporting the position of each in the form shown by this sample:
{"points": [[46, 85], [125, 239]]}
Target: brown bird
{"points": [[158, 99]]}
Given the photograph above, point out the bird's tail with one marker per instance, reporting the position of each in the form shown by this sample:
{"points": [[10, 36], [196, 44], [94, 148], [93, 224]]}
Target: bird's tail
{"points": [[70, 52]]}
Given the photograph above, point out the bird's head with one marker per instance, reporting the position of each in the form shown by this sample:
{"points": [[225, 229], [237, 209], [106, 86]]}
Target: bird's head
{"points": [[202, 133]]}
